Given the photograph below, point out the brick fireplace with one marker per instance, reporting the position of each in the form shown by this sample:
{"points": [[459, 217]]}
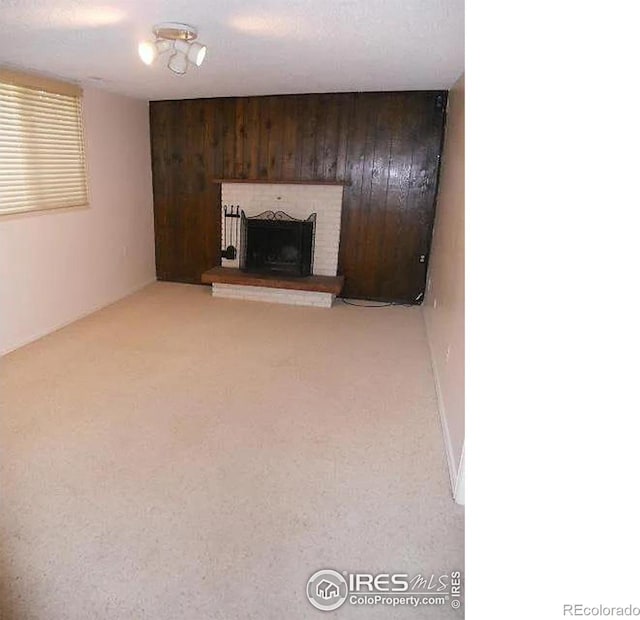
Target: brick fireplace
{"points": [[299, 201]]}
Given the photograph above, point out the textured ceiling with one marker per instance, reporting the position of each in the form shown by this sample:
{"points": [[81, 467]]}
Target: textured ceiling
{"points": [[254, 48]]}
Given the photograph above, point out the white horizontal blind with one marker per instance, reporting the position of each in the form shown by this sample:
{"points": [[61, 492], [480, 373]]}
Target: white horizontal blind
{"points": [[42, 162]]}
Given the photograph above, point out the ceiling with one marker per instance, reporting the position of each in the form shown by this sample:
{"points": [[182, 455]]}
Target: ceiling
{"points": [[254, 47]]}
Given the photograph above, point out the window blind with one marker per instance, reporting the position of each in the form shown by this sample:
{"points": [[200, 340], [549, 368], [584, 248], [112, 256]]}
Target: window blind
{"points": [[42, 161]]}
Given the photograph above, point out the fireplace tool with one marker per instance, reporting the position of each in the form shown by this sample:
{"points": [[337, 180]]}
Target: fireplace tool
{"points": [[230, 231]]}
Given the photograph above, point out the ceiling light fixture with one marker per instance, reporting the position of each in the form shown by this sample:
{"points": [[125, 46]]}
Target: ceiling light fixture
{"points": [[178, 38]]}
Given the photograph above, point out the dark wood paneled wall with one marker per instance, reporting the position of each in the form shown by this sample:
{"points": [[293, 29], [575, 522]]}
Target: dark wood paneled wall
{"points": [[385, 147]]}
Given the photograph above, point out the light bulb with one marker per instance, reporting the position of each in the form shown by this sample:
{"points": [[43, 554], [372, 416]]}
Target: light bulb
{"points": [[147, 52], [197, 52]]}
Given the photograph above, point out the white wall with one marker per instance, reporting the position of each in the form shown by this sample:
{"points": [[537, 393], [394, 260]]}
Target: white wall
{"points": [[444, 305], [56, 266]]}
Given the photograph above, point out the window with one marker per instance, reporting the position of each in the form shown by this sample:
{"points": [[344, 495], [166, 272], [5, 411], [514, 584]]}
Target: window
{"points": [[42, 163]]}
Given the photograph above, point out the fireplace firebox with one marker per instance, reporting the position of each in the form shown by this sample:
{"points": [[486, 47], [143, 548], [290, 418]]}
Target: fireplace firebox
{"points": [[276, 243]]}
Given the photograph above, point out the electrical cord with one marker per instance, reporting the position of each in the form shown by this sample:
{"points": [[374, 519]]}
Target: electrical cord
{"points": [[376, 305], [367, 305]]}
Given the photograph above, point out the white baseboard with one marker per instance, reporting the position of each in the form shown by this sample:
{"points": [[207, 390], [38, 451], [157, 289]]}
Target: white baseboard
{"points": [[456, 470], [82, 315], [459, 492]]}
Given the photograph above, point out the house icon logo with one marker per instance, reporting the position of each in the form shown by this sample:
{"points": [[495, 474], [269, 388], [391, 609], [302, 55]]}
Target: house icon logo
{"points": [[327, 590]]}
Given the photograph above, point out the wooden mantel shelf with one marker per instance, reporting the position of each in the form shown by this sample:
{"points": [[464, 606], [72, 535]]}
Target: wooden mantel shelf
{"points": [[270, 182], [317, 284]]}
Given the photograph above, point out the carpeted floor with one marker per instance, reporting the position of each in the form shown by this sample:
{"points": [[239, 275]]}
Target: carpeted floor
{"points": [[178, 457]]}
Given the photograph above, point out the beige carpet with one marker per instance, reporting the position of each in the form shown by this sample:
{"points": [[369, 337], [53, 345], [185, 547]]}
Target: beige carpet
{"points": [[176, 457]]}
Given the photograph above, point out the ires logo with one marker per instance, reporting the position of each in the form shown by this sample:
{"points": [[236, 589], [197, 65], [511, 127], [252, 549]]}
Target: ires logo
{"points": [[456, 589], [456, 586], [401, 582], [328, 589], [384, 582]]}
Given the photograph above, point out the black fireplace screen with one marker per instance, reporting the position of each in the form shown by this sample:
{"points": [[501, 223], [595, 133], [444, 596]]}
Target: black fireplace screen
{"points": [[277, 243]]}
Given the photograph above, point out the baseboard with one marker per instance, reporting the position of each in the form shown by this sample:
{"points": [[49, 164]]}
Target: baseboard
{"points": [[459, 492], [82, 315], [454, 469]]}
